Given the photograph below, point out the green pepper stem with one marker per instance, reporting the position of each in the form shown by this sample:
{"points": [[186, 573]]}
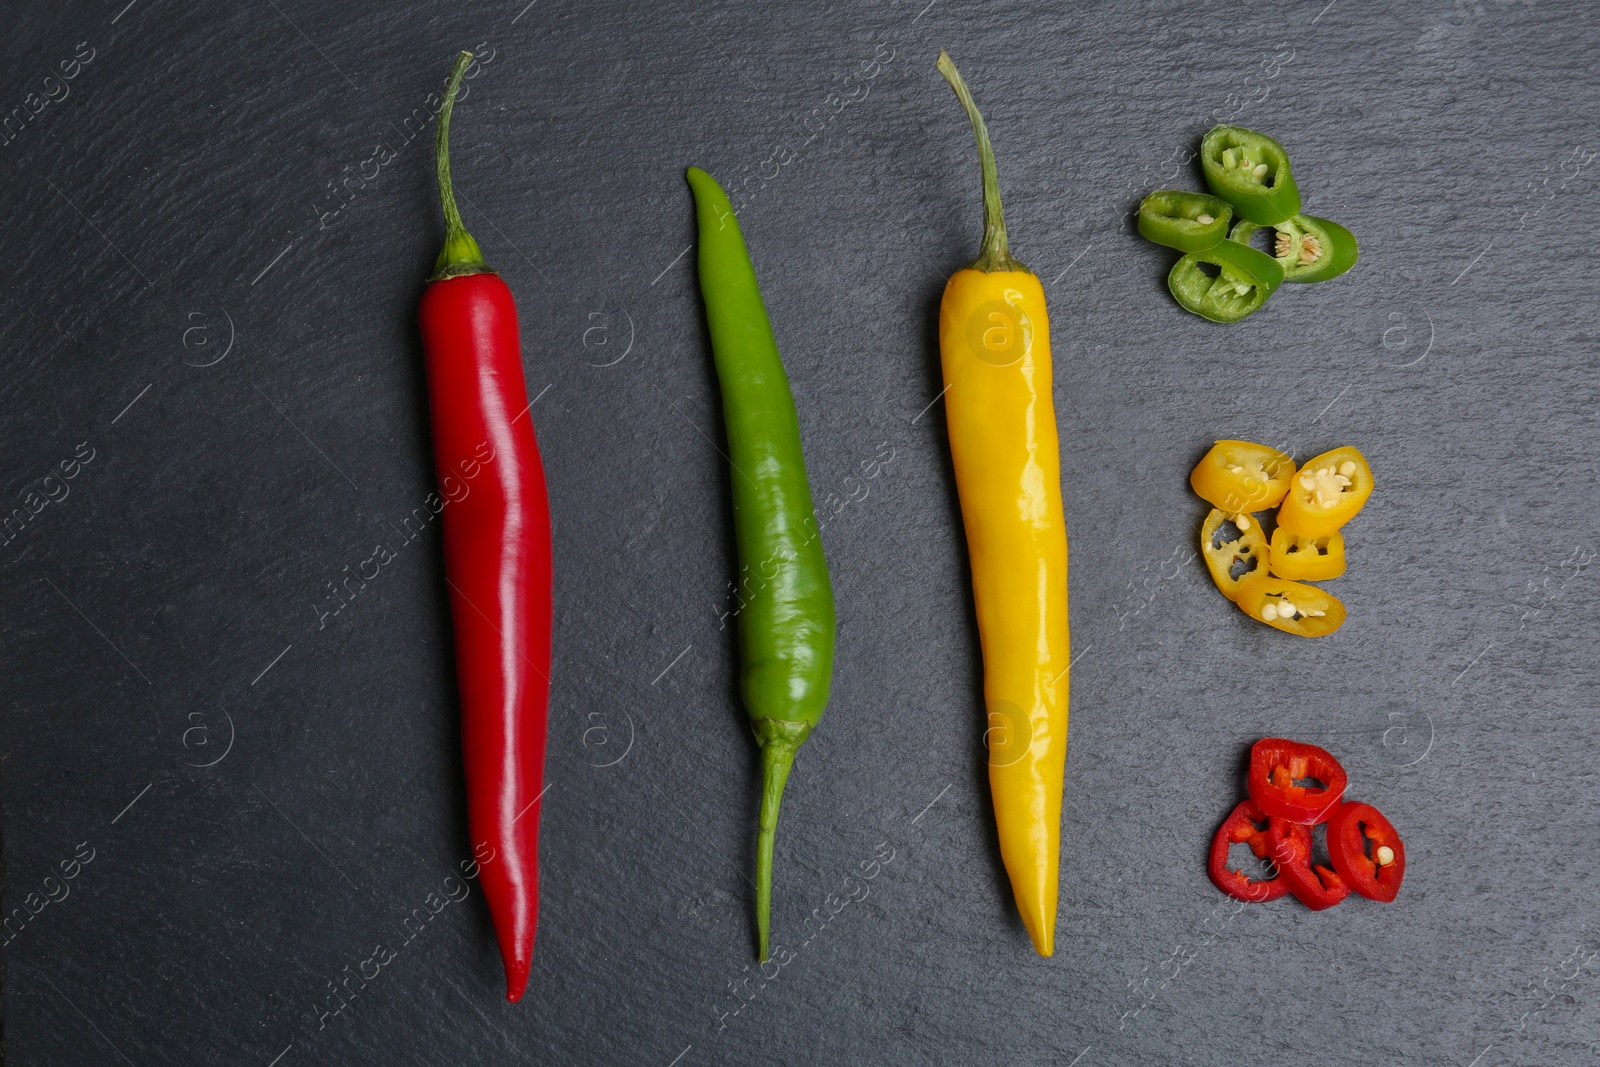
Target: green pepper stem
{"points": [[995, 255], [460, 254], [779, 742]]}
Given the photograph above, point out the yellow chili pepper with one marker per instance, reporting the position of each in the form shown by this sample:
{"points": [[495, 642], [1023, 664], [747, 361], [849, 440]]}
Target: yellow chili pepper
{"points": [[994, 344]]}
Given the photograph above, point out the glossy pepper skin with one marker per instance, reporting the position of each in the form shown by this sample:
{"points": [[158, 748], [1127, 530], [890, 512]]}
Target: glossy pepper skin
{"points": [[1293, 607], [1315, 886], [497, 564], [1311, 249], [1327, 492], [786, 629], [1244, 277], [1241, 827], [1241, 476], [1306, 559], [1377, 875], [1276, 764], [1232, 560], [1251, 172], [994, 344], [1189, 222]]}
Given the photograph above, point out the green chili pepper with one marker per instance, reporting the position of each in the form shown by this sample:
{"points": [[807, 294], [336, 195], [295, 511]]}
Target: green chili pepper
{"points": [[786, 628], [1238, 284], [1189, 222], [1310, 249], [1250, 171]]}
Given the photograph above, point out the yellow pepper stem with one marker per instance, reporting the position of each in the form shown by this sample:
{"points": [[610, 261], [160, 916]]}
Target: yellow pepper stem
{"points": [[996, 251]]}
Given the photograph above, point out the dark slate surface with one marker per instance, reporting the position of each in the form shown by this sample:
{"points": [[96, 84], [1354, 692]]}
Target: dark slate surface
{"points": [[265, 795]]}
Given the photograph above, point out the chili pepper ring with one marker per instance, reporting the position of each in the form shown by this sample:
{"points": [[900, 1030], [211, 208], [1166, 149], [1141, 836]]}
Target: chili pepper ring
{"points": [[1240, 828]]}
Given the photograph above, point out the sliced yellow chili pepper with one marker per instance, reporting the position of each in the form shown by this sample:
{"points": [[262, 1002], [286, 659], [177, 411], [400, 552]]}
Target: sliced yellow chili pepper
{"points": [[1293, 607], [1231, 559], [1239, 476], [994, 348], [1306, 559], [1326, 493]]}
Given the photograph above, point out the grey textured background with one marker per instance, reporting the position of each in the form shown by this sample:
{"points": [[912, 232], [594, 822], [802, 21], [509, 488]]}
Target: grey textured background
{"points": [[164, 614]]}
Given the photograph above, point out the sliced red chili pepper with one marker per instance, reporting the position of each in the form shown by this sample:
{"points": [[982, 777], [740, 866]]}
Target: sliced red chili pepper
{"points": [[1245, 825], [1315, 886], [1375, 874], [1277, 765]]}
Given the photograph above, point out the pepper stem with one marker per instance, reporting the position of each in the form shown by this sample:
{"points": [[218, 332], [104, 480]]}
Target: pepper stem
{"points": [[460, 254], [779, 742], [995, 255]]}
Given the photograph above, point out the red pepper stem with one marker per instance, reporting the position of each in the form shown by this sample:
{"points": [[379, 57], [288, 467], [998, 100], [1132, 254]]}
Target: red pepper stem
{"points": [[460, 254], [779, 742], [995, 255]]}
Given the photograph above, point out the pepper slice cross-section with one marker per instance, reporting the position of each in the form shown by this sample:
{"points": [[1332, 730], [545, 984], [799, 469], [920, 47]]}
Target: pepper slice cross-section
{"points": [[1326, 493], [1306, 559], [1241, 476], [1293, 607], [1278, 765], [1375, 875], [1311, 249], [1244, 825], [1232, 561], [1189, 222], [1315, 886], [1236, 285], [1251, 172]]}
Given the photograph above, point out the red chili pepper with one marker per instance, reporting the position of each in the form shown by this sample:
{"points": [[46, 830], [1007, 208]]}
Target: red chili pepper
{"points": [[1375, 874], [1289, 845], [497, 562], [1245, 825], [1276, 765]]}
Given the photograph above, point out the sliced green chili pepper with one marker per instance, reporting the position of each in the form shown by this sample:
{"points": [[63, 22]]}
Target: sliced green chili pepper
{"points": [[1189, 222], [1251, 172], [1311, 249], [786, 630], [1241, 282]]}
